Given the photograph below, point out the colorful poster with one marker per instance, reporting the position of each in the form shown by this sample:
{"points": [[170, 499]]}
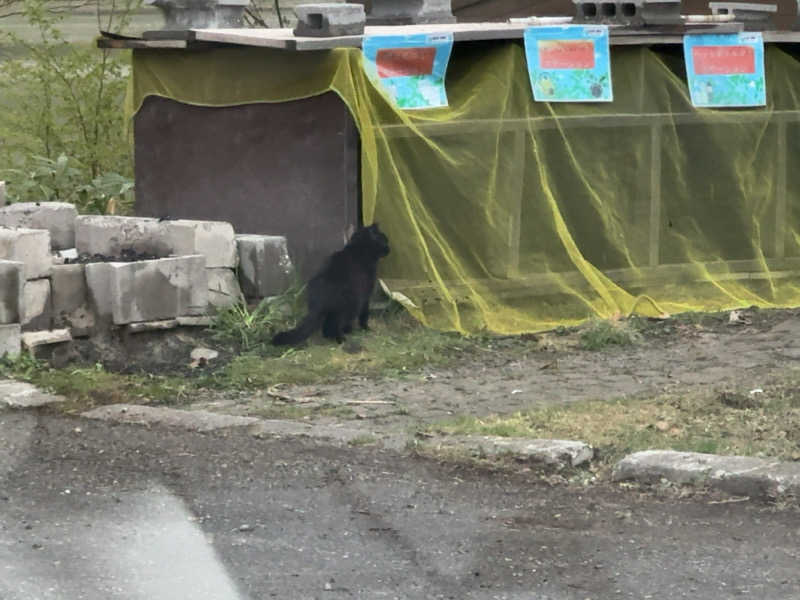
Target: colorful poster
{"points": [[725, 69], [569, 63], [411, 68]]}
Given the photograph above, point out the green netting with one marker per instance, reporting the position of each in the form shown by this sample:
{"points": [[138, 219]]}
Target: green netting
{"points": [[513, 216]]}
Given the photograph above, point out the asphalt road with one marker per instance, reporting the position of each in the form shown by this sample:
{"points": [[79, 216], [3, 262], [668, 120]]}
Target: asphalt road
{"points": [[92, 510]]}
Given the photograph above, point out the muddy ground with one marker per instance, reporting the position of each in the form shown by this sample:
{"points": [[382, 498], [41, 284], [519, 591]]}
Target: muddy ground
{"points": [[674, 355]]}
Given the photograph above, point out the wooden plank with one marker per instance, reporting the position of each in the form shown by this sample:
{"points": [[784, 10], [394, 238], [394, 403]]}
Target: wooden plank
{"points": [[517, 174], [137, 44], [282, 39], [466, 126], [462, 32], [543, 284], [780, 191], [655, 195]]}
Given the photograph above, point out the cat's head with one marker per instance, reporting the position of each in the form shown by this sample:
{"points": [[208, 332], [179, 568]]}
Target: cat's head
{"points": [[373, 238]]}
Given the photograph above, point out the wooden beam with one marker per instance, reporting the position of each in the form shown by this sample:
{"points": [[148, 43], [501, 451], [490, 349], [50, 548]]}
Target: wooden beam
{"points": [[655, 195]]}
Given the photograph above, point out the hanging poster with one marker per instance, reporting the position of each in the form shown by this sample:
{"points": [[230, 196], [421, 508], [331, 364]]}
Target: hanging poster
{"points": [[569, 63], [411, 68], [725, 69]]}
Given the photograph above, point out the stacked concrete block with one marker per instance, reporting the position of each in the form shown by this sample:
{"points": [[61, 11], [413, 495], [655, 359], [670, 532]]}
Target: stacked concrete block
{"points": [[402, 12], [265, 268], [12, 284], [10, 339], [56, 217], [329, 19], [213, 239], [150, 290], [70, 300], [223, 288], [28, 246], [111, 236], [38, 312]]}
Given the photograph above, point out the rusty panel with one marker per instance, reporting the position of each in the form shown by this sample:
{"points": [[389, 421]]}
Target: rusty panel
{"points": [[282, 169]]}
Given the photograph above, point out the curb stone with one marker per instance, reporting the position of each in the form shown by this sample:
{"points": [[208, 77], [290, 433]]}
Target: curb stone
{"points": [[17, 394], [192, 420], [554, 453], [738, 475]]}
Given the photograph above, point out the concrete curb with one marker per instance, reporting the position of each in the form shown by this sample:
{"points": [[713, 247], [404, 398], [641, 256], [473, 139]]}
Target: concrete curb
{"points": [[552, 453], [738, 475], [16, 394]]}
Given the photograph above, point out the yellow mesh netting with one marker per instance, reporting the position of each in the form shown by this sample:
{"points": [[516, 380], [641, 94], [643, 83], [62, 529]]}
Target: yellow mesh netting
{"points": [[514, 216]]}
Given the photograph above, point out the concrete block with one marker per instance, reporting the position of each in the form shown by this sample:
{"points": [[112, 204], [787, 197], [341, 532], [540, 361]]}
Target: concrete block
{"points": [[329, 19], [12, 283], [402, 12], [741, 475], [110, 236], [10, 340], [37, 312], [265, 268], [17, 394], [151, 290], [33, 339], [28, 246], [2, 193], [628, 12], [661, 12], [71, 307], [195, 321], [180, 15], [148, 326], [223, 288], [213, 239], [56, 217]]}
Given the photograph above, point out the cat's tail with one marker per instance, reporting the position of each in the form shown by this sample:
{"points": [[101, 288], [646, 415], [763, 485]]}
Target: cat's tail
{"points": [[294, 336]]}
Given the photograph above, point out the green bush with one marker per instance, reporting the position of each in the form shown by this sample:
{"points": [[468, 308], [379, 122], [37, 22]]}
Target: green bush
{"points": [[62, 124]]}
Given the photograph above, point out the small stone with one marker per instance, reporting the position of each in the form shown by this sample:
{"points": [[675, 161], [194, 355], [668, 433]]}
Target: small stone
{"points": [[204, 354], [246, 527]]}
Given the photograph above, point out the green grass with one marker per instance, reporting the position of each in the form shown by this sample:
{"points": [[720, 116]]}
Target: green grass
{"points": [[396, 345], [696, 421], [87, 387], [601, 334]]}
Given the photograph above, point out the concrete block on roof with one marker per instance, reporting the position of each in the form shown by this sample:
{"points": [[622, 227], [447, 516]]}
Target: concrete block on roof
{"points": [[402, 12], [71, 300], [150, 290], [223, 288], [265, 268], [12, 283], [28, 246], [57, 217], [328, 19], [37, 312], [10, 339], [213, 239], [627, 12]]}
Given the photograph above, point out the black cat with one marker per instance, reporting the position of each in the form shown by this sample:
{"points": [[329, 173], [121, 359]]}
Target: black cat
{"points": [[340, 291]]}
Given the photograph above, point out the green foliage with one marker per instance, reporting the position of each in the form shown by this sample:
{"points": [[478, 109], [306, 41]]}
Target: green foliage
{"points": [[62, 129], [249, 329], [601, 334], [62, 179]]}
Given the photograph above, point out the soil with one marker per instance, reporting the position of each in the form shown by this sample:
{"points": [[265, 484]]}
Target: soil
{"points": [[509, 376], [126, 255]]}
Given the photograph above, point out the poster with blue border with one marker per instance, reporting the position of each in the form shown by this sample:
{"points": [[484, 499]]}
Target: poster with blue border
{"points": [[569, 63], [725, 70], [410, 68]]}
